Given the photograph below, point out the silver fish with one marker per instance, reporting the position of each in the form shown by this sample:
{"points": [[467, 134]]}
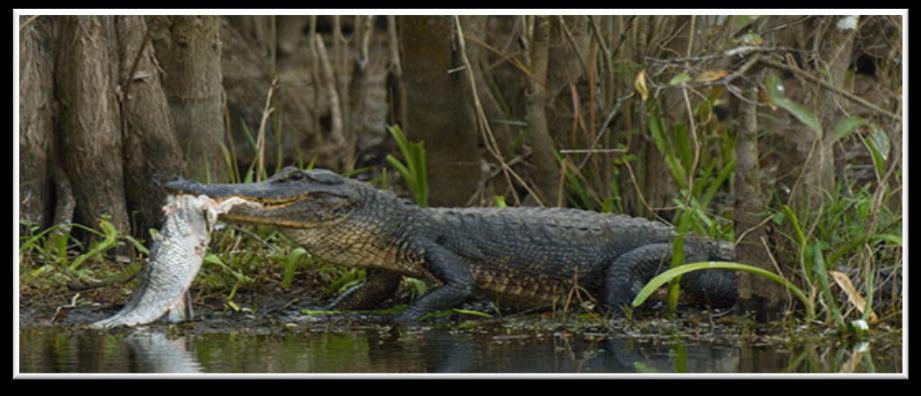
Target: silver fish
{"points": [[173, 263]]}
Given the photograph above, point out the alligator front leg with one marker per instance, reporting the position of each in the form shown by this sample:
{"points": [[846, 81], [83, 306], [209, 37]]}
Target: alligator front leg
{"points": [[628, 273], [378, 286], [457, 285]]}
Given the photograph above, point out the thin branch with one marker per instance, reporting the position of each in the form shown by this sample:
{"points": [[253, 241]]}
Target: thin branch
{"points": [[27, 22], [134, 66], [828, 86], [335, 108], [572, 42], [591, 151], [511, 59], [491, 145], [393, 47], [604, 126], [263, 123]]}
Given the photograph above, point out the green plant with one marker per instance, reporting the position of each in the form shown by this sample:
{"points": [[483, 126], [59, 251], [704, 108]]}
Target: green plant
{"points": [[676, 272], [414, 170]]}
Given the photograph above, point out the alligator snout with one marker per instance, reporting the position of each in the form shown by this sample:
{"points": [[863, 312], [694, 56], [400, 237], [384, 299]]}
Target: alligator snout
{"points": [[183, 186]]}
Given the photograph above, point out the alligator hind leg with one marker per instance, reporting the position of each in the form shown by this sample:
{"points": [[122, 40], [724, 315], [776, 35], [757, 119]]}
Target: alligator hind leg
{"points": [[627, 274], [457, 285], [378, 286]]}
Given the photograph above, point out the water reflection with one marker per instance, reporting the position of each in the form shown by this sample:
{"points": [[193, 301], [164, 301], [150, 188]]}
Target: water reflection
{"points": [[153, 352], [57, 350]]}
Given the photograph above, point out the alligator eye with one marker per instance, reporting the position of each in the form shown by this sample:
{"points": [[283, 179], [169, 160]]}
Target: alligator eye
{"points": [[296, 176]]}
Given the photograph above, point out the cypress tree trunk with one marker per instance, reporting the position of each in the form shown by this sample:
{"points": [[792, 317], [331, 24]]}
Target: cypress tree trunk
{"points": [[152, 154], [435, 111], [813, 151], [90, 137], [189, 50], [547, 175], [36, 124], [756, 295]]}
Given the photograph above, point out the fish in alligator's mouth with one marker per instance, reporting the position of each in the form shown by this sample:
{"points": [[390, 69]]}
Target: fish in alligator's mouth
{"points": [[175, 259]]}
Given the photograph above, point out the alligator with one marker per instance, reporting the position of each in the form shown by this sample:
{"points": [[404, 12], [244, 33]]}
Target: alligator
{"points": [[523, 258]]}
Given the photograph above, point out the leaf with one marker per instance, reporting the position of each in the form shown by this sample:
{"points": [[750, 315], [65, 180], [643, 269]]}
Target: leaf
{"points": [[666, 276], [847, 126], [750, 39], [741, 21], [316, 312], [711, 75], [291, 261], [892, 238], [880, 141], [471, 313], [775, 92], [679, 79], [857, 300], [640, 85], [878, 145]]}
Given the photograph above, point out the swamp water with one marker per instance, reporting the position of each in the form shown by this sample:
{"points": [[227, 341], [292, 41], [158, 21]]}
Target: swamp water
{"points": [[69, 350]]}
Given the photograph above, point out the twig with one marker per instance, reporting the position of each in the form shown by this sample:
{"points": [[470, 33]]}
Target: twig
{"points": [[770, 255], [339, 58], [562, 181], [315, 77], [505, 57], [639, 192], [628, 25], [393, 46], [481, 186], [126, 85], [334, 103], [692, 130], [572, 42], [260, 139], [73, 304], [739, 51], [483, 122], [755, 227], [368, 29], [591, 151], [604, 126], [27, 22], [828, 86]]}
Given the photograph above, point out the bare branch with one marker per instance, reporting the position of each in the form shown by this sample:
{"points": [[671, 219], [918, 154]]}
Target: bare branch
{"points": [[828, 86]]}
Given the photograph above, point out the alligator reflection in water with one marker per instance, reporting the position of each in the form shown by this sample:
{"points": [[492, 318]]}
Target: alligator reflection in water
{"points": [[56, 350]]}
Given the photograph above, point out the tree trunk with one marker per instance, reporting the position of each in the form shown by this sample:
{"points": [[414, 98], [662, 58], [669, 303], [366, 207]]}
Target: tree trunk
{"points": [[546, 176], [36, 123], [189, 50], [151, 152], [90, 138], [434, 111], [814, 150], [755, 294]]}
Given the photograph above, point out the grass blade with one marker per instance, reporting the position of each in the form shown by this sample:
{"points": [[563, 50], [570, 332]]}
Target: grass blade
{"points": [[666, 276]]}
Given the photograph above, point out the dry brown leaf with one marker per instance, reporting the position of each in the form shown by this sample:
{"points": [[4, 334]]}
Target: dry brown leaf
{"points": [[844, 282], [640, 85], [711, 75]]}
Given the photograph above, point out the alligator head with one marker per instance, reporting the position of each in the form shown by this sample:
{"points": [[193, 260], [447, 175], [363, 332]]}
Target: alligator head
{"points": [[291, 198]]}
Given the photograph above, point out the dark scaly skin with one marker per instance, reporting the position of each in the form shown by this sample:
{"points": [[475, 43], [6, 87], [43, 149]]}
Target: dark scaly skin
{"points": [[519, 257]]}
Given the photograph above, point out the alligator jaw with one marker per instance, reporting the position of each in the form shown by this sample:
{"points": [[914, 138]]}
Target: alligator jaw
{"points": [[222, 192]]}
